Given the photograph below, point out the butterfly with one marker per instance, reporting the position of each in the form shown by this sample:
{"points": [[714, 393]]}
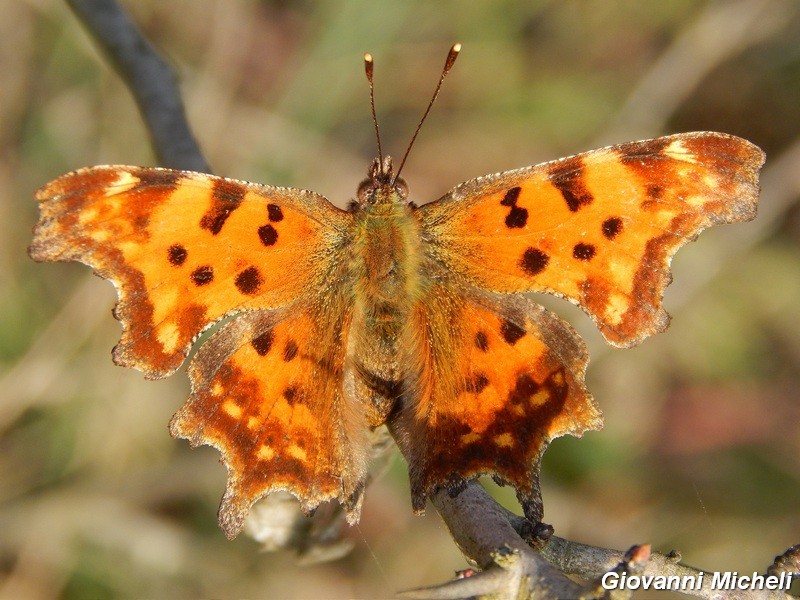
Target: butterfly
{"points": [[340, 322]]}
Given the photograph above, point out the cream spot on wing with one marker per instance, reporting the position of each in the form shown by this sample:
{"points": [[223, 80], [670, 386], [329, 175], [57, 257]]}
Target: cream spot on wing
{"points": [[232, 409], [470, 437], [504, 440], [696, 201], [615, 309], [265, 453], [168, 336], [217, 389], [621, 272], [88, 216], [252, 422], [164, 304], [123, 183], [678, 151], [130, 249], [542, 396], [296, 452]]}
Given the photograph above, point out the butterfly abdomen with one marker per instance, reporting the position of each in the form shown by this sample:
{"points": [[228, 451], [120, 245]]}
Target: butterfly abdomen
{"points": [[384, 263]]}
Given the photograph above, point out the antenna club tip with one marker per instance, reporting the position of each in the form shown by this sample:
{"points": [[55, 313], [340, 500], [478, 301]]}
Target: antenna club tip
{"points": [[368, 65], [451, 57]]}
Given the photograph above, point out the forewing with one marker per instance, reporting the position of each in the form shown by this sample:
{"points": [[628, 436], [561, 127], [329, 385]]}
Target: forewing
{"points": [[598, 228], [185, 249]]}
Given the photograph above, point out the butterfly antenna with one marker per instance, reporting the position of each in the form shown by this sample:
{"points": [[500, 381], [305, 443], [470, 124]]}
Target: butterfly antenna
{"points": [[369, 67], [448, 64]]}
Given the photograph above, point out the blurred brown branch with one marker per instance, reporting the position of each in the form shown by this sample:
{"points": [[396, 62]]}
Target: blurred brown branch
{"points": [[479, 527], [518, 558], [149, 79], [733, 26]]}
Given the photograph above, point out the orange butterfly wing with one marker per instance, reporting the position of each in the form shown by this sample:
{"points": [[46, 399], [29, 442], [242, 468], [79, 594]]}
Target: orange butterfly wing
{"points": [[598, 228], [500, 378], [268, 392], [185, 249]]}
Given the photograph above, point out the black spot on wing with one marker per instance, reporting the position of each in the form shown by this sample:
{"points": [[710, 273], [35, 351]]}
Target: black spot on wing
{"points": [[291, 394], [567, 177], [226, 198], [263, 342], [654, 191], [517, 218], [162, 178], [534, 261], [510, 199], [583, 251], [478, 383], [248, 281], [524, 387], [290, 350], [481, 341], [202, 275], [639, 154], [274, 213], [268, 235], [176, 255], [511, 332], [612, 227]]}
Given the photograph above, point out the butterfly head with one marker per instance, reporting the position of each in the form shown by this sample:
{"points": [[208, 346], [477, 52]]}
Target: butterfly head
{"points": [[382, 185]]}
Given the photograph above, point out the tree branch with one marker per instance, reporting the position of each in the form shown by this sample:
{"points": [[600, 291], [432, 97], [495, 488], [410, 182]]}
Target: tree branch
{"points": [[148, 78], [479, 525]]}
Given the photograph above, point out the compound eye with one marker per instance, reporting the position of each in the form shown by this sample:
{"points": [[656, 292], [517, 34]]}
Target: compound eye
{"points": [[365, 189], [401, 187]]}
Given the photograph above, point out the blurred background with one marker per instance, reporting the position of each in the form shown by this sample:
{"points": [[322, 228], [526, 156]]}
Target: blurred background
{"points": [[701, 448]]}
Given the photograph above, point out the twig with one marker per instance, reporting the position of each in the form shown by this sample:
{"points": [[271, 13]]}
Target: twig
{"points": [[149, 79], [788, 562], [479, 527], [478, 524]]}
